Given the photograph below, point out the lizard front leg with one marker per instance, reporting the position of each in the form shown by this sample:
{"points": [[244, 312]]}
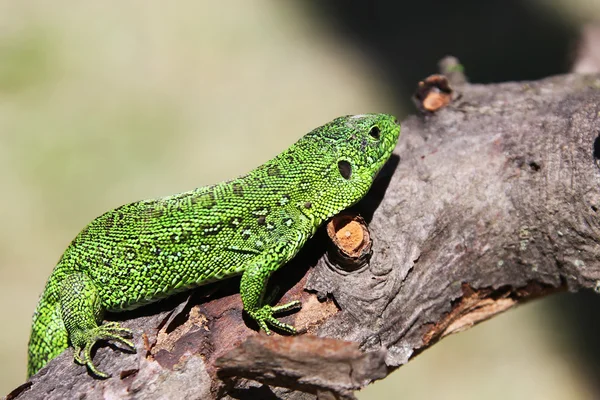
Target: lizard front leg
{"points": [[81, 313], [253, 287]]}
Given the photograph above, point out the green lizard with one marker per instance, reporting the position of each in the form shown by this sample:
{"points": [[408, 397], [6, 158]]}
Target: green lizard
{"points": [[145, 251]]}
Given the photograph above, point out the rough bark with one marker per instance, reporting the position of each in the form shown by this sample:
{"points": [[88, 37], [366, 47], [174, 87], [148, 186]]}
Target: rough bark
{"points": [[488, 202]]}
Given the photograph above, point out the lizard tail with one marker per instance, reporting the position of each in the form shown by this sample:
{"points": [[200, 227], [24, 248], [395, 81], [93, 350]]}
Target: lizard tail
{"points": [[49, 336]]}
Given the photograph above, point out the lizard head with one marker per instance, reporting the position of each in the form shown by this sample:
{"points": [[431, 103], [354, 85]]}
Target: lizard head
{"points": [[353, 150]]}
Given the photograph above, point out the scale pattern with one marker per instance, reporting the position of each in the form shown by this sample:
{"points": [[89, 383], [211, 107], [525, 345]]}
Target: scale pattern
{"points": [[147, 250]]}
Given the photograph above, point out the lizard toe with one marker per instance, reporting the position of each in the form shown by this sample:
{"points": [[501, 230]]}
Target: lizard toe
{"points": [[264, 317], [285, 307], [281, 326], [110, 332], [77, 355], [89, 362]]}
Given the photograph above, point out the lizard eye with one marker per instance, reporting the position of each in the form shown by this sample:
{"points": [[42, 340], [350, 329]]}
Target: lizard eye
{"points": [[345, 169], [375, 132]]}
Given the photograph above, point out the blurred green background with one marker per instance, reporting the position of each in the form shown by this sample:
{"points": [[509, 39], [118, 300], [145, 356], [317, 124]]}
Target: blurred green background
{"points": [[111, 102]]}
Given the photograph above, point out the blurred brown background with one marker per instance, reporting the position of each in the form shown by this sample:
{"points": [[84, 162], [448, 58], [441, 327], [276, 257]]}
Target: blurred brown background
{"points": [[103, 104]]}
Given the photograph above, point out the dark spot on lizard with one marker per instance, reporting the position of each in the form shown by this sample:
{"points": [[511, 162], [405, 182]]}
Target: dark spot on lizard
{"points": [[260, 211], [234, 222], [308, 204], [285, 198], [184, 236], [262, 220], [273, 170], [246, 233], [304, 184], [237, 189], [116, 219], [186, 198], [211, 229], [155, 211], [204, 200], [109, 222]]}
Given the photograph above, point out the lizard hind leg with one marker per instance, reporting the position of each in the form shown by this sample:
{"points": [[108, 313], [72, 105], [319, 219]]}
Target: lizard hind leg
{"points": [[81, 313]]}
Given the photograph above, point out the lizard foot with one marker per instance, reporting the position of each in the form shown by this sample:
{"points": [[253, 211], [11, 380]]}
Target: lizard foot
{"points": [[110, 331], [264, 317]]}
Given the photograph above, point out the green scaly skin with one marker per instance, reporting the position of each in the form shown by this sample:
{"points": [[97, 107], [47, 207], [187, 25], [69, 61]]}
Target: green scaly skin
{"points": [[145, 251]]}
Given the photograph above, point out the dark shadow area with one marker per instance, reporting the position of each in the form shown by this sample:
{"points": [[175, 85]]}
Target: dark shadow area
{"points": [[367, 205], [596, 148], [179, 303], [578, 314], [263, 392], [496, 40]]}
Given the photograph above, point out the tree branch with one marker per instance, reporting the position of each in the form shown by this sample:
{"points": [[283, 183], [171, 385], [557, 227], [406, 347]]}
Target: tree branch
{"points": [[489, 202]]}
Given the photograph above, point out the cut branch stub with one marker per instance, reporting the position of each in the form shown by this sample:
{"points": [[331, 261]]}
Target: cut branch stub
{"points": [[433, 93], [351, 241]]}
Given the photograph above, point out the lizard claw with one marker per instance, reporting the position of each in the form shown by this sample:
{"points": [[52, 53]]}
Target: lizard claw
{"points": [[110, 331], [264, 317]]}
